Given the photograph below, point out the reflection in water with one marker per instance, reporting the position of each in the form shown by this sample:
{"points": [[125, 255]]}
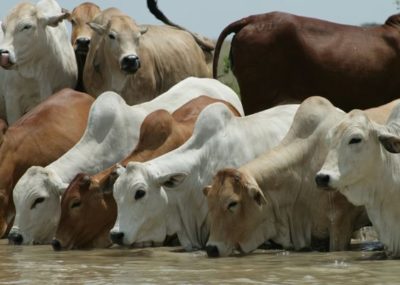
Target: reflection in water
{"points": [[40, 264]]}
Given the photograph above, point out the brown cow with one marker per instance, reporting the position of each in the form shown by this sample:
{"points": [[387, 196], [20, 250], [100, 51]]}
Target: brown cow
{"points": [[139, 62], [38, 138], [275, 196], [81, 34], [280, 57], [88, 209]]}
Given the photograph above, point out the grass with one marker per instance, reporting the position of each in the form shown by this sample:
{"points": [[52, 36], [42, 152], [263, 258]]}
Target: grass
{"points": [[226, 77]]}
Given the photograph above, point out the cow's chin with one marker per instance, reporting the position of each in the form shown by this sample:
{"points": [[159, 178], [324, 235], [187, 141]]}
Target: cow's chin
{"points": [[9, 66]]}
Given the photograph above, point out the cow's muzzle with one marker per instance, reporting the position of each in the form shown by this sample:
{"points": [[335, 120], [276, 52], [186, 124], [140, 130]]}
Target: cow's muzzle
{"points": [[56, 244], [5, 59], [212, 251], [15, 238], [82, 45], [322, 180], [130, 64], [117, 237]]}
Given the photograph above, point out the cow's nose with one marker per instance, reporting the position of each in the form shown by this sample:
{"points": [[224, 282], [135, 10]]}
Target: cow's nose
{"points": [[56, 244], [15, 238], [82, 42], [212, 251], [130, 63], [322, 180], [117, 237], [3, 51]]}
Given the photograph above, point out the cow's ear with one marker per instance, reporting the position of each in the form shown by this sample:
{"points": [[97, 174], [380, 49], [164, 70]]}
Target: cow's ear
{"points": [[99, 29], [258, 196], [143, 30], [206, 190], [390, 142], [172, 180], [53, 21]]}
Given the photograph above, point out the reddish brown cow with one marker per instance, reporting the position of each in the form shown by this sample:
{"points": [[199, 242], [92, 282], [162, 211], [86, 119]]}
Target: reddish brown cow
{"points": [[81, 34], [38, 138], [281, 57], [88, 209]]}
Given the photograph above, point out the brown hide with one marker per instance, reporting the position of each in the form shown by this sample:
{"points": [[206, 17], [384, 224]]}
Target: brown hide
{"points": [[38, 138], [282, 57], [88, 224], [81, 34], [167, 55]]}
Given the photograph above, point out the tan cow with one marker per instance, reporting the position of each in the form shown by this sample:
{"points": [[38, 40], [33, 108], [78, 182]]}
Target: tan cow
{"points": [[81, 34], [88, 209], [139, 62], [38, 138], [275, 196]]}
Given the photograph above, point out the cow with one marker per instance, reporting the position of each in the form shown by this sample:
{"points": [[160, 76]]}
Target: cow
{"points": [[283, 57], [81, 34], [274, 197], [38, 138], [362, 164], [36, 49], [163, 196], [111, 134], [139, 62], [88, 209]]}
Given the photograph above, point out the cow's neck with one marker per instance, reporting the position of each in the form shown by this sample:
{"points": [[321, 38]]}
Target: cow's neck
{"points": [[380, 193]]}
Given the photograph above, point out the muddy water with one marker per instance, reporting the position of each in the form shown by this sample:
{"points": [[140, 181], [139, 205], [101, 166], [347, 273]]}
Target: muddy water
{"points": [[40, 264]]}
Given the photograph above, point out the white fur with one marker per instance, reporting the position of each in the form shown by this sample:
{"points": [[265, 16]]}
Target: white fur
{"points": [[219, 140], [366, 173], [111, 134], [43, 55]]}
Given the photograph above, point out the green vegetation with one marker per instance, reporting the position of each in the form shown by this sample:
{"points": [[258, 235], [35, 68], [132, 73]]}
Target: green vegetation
{"points": [[225, 74]]}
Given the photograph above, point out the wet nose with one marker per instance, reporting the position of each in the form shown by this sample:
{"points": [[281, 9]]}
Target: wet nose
{"points": [[322, 180], [130, 63], [15, 238], [212, 251], [83, 42], [117, 237], [56, 245]]}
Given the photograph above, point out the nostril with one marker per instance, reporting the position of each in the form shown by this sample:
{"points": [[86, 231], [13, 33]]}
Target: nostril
{"points": [[117, 237], [15, 238], [212, 251], [322, 180], [56, 245], [83, 41], [130, 63]]}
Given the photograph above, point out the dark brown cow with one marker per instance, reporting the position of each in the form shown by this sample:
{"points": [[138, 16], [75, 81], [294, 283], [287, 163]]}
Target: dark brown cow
{"points": [[88, 209], [38, 138], [81, 34], [281, 57]]}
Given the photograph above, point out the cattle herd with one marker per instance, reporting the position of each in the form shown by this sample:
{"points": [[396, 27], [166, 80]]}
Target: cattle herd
{"points": [[120, 135]]}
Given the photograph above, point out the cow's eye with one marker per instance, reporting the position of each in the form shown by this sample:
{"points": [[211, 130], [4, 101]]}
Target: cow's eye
{"points": [[355, 140], [139, 194], [111, 36], [232, 205], [76, 204], [73, 22], [26, 27], [37, 201]]}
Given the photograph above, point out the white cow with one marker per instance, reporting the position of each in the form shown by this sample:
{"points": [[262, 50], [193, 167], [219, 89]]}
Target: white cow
{"points": [[363, 165], [164, 196], [36, 48], [112, 132]]}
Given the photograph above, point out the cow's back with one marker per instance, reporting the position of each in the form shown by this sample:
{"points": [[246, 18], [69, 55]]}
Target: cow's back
{"points": [[278, 57]]}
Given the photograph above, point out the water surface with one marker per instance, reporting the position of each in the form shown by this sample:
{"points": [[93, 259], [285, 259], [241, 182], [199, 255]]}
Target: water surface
{"points": [[40, 264]]}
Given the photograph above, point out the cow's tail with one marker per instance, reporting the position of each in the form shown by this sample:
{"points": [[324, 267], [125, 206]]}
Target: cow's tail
{"points": [[206, 45], [234, 27]]}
